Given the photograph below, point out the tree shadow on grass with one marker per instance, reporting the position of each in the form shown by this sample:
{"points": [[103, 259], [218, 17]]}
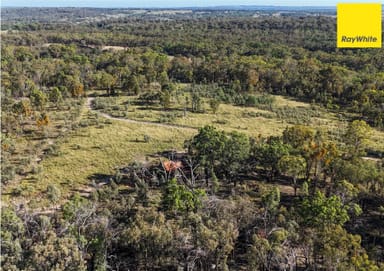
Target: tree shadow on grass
{"points": [[96, 181], [138, 140], [159, 109], [99, 178]]}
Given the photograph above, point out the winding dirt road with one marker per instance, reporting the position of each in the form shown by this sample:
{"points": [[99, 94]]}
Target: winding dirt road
{"points": [[88, 105]]}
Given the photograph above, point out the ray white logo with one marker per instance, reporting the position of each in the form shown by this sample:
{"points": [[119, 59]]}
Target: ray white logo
{"points": [[359, 25], [359, 39]]}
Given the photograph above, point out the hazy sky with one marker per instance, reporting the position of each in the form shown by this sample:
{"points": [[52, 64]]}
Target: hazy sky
{"points": [[169, 3]]}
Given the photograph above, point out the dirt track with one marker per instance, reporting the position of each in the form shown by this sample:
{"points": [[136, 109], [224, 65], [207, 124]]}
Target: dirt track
{"points": [[89, 107]]}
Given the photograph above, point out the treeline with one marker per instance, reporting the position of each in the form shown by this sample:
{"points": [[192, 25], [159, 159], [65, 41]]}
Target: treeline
{"points": [[288, 55]]}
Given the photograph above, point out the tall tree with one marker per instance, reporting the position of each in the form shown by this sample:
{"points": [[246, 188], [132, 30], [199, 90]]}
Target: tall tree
{"points": [[293, 166], [236, 151], [356, 137], [269, 153]]}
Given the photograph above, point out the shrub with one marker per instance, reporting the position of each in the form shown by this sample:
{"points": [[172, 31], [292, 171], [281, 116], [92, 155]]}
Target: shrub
{"points": [[221, 121], [36, 169], [102, 103], [178, 198], [147, 138], [8, 173], [169, 117], [84, 123], [52, 150], [53, 193]]}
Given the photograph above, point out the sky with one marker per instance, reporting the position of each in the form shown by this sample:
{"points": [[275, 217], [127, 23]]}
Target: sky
{"points": [[170, 3]]}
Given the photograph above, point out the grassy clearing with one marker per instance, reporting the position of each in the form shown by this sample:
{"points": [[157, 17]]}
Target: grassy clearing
{"points": [[281, 101], [376, 143], [249, 120], [26, 146], [228, 118], [94, 151], [101, 145]]}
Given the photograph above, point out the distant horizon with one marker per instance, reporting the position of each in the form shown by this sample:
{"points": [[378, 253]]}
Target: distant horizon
{"points": [[175, 7], [172, 3]]}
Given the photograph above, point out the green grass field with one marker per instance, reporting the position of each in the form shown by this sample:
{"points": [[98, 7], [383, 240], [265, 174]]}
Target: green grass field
{"points": [[249, 120], [94, 150], [102, 145]]}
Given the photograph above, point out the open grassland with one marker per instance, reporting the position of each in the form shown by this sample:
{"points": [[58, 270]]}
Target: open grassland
{"points": [[25, 148], [253, 121], [92, 152]]}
